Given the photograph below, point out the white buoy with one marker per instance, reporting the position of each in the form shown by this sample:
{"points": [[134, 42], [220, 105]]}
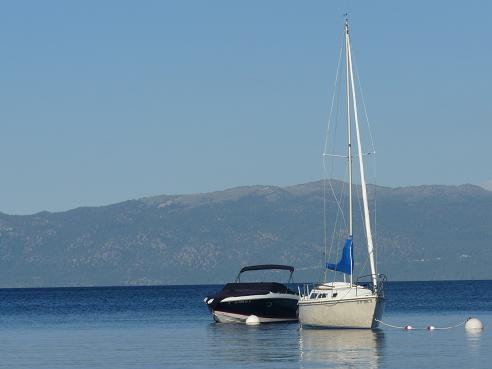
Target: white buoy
{"points": [[473, 324], [253, 320], [430, 327]]}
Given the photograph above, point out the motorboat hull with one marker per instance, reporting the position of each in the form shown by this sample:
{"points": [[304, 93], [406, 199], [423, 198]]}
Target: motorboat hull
{"points": [[359, 312], [270, 308]]}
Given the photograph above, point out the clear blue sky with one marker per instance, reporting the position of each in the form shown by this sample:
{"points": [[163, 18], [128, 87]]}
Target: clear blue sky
{"points": [[103, 101]]}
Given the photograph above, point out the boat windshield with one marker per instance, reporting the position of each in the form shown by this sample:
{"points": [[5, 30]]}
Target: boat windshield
{"points": [[266, 267]]}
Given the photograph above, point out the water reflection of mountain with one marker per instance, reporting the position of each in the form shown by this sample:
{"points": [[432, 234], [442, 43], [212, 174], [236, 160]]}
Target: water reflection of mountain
{"points": [[330, 348]]}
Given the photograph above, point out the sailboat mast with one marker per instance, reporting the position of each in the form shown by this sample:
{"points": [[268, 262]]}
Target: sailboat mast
{"points": [[367, 220], [349, 126]]}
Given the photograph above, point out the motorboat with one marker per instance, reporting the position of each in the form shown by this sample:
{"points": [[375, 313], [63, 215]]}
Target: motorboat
{"points": [[270, 301]]}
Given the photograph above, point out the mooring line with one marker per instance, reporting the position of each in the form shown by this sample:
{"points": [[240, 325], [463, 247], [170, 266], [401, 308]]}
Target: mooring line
{"points": [[428, 328]]}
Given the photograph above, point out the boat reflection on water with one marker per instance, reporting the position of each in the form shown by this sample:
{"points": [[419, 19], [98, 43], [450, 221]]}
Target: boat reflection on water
{"points": [[334, 348], [266, 345], [284, 345]]}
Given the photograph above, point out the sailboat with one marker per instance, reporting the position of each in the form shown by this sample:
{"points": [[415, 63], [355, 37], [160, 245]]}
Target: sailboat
{"points": [[348, 303]]}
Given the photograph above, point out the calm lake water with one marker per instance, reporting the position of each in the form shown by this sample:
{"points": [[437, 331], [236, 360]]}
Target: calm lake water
{"points": [[170, 327]]}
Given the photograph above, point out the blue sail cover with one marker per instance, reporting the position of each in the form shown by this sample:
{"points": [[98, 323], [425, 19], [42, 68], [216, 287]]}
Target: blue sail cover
{"points": [[346, 263]]}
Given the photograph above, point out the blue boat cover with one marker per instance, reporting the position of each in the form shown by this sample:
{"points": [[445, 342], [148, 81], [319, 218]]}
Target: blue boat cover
{"points": [[346, 263]]}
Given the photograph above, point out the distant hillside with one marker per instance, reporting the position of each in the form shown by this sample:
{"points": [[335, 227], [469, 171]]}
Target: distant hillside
{"points": [[423, 233], [487, 185]]}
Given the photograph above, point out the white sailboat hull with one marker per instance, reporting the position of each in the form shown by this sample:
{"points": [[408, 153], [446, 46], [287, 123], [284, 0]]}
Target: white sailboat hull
{"points": [[358, 312]]}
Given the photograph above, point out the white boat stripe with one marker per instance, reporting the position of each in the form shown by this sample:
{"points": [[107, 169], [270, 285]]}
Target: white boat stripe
{"points": [[262, 297]]}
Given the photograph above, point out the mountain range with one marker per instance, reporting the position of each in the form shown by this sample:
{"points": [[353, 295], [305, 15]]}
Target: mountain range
{"points": [[421, 233]]}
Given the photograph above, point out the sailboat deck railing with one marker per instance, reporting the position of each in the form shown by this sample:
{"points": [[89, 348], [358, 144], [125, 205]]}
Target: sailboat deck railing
{"points": [[366, 281]]}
